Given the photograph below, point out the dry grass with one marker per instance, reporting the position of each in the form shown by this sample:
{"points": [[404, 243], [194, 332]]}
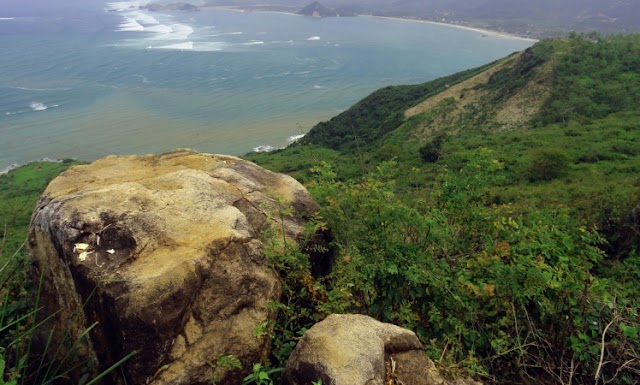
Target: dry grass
{"points": [[470, 98], [466, 89], [523, 106]]}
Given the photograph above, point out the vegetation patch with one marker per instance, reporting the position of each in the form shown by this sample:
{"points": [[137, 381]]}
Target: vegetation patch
{"points": [[512, 251], [19, 191]]}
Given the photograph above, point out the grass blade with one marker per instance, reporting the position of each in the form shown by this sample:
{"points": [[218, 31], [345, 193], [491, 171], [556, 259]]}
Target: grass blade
{"points": [[114, 366]]}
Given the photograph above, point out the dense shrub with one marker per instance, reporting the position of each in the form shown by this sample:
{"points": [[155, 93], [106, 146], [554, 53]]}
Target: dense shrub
{"points": [[547, 164], [507, 295], [432, 151], [595, 76]]}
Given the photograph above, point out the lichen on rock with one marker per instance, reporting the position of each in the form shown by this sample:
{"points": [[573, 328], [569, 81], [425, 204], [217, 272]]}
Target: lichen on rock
{"points": [[172, 264]]}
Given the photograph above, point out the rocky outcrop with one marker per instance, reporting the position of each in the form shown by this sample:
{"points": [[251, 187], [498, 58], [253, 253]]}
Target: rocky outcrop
{"points": [[358, 350], [165, 254]]}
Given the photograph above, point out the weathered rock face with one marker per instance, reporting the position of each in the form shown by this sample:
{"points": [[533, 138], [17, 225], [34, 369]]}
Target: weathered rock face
{"points": [[358, 350], [167, 258]]}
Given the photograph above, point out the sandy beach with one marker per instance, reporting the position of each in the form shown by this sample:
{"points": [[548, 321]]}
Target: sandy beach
{"points": [[405, 19], [469, 28]]}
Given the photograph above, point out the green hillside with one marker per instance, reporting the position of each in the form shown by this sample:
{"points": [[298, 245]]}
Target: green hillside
{"points": [[496, 212], [575, 96]]}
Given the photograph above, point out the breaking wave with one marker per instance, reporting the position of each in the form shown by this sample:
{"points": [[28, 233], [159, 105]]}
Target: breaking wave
{"points": [[37, 106], [130, 25], [188, 45], [294, 138], [267, 148], [253, 42]]}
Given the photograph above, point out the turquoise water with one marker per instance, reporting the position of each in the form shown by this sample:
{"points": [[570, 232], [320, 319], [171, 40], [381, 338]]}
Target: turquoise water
{"points": [[90, 78]]}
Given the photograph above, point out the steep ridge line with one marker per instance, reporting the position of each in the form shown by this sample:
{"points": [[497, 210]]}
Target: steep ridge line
{"points": [[466, 87], [482, 102]]}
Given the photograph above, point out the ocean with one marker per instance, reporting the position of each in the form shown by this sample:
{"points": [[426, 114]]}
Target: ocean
{"points": [[87, 78]]}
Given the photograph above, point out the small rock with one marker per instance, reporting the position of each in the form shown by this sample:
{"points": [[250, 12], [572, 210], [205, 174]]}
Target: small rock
{"points": [[356, 349]]}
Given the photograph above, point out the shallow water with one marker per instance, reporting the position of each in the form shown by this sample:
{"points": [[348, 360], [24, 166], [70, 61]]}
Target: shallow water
{"points": [[87, 79]]}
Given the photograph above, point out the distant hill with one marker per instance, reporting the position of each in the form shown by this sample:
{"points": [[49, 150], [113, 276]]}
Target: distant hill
{"points": [[316, 9], [157, 7], [539, 19]]}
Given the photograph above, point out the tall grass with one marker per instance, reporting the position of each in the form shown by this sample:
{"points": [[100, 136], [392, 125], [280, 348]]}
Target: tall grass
{"points": [[21, 318], [20, 323]]}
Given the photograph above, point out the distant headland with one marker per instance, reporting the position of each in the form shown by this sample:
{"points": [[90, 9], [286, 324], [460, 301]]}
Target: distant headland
{"points": [[155, 7], [316, 9]]}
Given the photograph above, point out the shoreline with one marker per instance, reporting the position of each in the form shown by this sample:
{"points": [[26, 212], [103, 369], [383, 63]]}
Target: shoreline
{"points": [[245, 10], [259, 148], [488, 32], [14, 166]]}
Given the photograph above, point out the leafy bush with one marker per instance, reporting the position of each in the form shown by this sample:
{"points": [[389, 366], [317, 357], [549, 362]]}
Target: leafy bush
{"points": [[432, 151], [507, 294], [595, 76], [547, 164]]}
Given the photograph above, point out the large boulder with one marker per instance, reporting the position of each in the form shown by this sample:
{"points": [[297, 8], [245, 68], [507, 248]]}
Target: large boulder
{"points": [[165, 253], [355, 349]]}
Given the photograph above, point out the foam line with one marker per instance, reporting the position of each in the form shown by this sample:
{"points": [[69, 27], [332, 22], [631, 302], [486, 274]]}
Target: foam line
{"points": [[180, 46], [119, 6], [294, 138], [37, 106], [130, 25], [265, 148], [173, 32], [142, 18]]}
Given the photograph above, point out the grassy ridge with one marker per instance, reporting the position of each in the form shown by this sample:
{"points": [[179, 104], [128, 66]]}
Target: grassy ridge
{"points": [[378, 114]]}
